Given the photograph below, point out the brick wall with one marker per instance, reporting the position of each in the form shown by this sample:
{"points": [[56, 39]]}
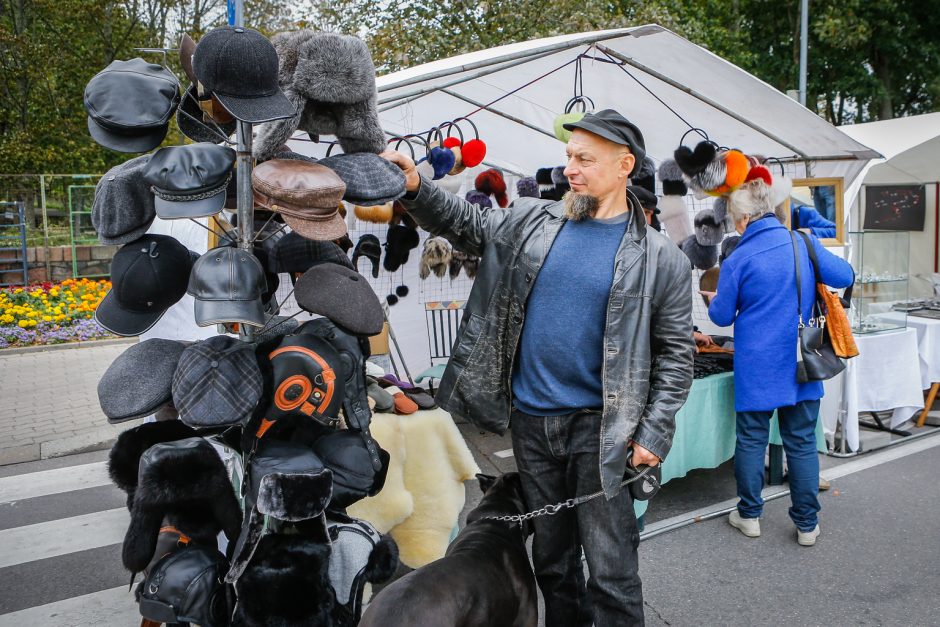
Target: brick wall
{"points": [[91, 260]]}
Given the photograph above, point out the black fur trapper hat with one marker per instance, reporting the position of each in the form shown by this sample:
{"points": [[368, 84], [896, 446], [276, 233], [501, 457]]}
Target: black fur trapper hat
{"points": [[183, 484], [124, 458], [286, 584]]}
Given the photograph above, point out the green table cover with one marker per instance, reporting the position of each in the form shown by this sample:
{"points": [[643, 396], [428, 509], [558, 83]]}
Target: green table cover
{"points": [[705, 430]]}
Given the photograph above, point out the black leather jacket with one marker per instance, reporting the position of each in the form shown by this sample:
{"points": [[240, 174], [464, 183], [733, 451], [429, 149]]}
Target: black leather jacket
{"points": [[648, 338]]}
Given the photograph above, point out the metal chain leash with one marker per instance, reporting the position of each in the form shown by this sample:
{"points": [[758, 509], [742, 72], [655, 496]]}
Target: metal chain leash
{"points": [[551, 510]]}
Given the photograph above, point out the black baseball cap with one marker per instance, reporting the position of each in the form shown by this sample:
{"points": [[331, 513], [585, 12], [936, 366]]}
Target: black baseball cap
{"points": [[238, 66], [148, 276], [612, 126], [228, 284]]}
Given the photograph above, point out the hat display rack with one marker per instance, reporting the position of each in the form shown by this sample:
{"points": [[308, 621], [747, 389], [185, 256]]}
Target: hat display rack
{"points": [[268, 437]]}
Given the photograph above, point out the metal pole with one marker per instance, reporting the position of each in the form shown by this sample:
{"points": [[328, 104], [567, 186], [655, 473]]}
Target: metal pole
{"points": [[45, 226], [246, 221], [804, 29]]}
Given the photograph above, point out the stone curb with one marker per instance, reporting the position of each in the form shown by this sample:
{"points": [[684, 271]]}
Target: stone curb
{"points": [[94, 440], [67, 345]]}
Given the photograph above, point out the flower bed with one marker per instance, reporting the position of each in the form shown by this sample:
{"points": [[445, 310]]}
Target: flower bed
{"points": [[51, 313]]}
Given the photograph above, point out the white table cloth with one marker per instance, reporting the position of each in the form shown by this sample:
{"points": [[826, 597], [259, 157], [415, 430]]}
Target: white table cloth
{"points": [[884, 377], [928, 346]]}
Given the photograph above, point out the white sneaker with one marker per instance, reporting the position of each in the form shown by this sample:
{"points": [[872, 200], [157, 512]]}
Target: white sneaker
{"points": [[807, 538], [748, 526]]}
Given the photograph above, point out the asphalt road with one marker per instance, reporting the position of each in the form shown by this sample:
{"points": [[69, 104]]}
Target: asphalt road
{"points": [[877, 562]]}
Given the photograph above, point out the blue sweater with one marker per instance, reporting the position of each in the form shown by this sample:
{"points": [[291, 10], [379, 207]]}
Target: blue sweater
{"points": [[757, 293], [561, 352]]}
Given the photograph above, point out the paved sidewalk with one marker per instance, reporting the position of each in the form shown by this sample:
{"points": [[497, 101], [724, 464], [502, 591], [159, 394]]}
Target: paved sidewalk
{"points": [[49, 402]]}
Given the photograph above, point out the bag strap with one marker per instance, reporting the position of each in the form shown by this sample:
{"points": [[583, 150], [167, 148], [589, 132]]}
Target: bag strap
{"points": [[846, 297], [799, 278]]}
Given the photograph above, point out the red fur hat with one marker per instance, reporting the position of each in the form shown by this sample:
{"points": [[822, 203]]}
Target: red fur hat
{"points": [[491, 182]]}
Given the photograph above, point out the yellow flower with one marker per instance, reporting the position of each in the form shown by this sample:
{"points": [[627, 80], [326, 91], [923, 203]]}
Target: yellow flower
{"points": [[47, 318], [23, 323]]}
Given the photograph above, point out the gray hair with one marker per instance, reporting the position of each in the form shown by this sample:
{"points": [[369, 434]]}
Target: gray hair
{"points": [[751, 199]]}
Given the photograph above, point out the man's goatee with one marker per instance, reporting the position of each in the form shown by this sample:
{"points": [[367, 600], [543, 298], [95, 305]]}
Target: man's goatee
{"points": [[580, 206]]}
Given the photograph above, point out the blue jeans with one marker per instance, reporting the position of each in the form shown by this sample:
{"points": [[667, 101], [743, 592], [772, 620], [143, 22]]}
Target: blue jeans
{"points": [[558, 458], [798, 432]]}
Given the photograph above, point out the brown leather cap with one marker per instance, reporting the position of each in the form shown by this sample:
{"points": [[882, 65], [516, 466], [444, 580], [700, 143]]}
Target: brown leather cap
{"points": [[306, 194]]}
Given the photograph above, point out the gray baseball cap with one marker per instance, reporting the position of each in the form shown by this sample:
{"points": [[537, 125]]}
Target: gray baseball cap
{"points": [[228, 284], [123, 207]]}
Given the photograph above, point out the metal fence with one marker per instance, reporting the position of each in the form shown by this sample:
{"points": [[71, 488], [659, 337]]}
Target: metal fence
{"points": [[57, 210]]}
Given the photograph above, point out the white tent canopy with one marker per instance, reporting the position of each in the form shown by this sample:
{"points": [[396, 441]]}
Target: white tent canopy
{"points": [[911, 148], [638, 71]]}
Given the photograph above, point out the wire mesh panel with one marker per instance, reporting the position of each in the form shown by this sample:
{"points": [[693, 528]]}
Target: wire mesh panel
{"points": [[80, 200], [14, 267]]}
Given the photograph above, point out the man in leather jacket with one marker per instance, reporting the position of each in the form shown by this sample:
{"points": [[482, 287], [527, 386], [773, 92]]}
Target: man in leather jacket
{"points": [[579, 328]]}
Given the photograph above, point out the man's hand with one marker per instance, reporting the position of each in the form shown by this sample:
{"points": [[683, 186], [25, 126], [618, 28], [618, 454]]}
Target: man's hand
{"points": [[702, 340], [407, 165], [642, 456]]}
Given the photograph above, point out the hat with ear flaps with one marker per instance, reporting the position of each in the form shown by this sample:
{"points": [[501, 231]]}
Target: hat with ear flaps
{"points": [[527, 187], [673, 212], [330, 79], [435, 257], [645, 176], [287, 583], [286, 481], [708, 229], [492, 183], [702, 257], [124, 458], [183, 484], [476, 197]]}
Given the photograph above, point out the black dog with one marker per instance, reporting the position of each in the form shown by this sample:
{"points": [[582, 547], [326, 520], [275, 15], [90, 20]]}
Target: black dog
{"points": [[484, 579]]}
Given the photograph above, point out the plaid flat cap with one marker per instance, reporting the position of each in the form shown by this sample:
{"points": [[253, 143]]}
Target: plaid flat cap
{"points": [[217, 383], [370, 179], [294, 253]]}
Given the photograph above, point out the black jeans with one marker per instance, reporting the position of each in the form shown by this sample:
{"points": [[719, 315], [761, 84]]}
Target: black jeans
{"points": [[557, 457]]}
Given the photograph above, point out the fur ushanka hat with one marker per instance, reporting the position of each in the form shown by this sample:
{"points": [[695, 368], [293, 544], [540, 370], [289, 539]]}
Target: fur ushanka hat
{"points": [[434, 258], [330, 79]]}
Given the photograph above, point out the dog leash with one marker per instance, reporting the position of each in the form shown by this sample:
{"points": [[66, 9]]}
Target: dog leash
{"points": [[551, 510]]}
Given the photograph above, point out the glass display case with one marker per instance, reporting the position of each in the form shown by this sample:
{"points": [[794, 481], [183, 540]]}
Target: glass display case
{"points": [[882, 261]]}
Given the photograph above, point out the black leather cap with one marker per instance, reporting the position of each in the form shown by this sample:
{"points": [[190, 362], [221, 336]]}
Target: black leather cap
{"points": [[228, 284], [129, 105], [190, 181], [612, 126], [239, 67], [148, 276]]}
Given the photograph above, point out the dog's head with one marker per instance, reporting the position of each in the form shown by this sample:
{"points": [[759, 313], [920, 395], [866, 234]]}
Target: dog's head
{"points": [[502, 496]]}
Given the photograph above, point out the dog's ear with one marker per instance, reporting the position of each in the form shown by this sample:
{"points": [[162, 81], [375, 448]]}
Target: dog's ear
{"points": [[486, 482]]}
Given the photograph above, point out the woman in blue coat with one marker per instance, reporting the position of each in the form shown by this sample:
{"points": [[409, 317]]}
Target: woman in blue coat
{"points": [[757, 293]]}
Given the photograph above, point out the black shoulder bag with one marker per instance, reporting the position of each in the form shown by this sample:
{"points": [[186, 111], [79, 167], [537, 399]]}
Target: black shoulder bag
{"points": [[815, 358]]}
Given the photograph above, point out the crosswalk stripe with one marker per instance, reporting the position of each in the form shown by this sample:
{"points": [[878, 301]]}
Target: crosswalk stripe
{"points": [[63, 536], [107, 607], [56, 481]]}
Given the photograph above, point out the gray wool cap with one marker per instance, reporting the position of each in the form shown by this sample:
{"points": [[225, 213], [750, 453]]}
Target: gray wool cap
{"points": [[123, 208], [140, 380]]}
